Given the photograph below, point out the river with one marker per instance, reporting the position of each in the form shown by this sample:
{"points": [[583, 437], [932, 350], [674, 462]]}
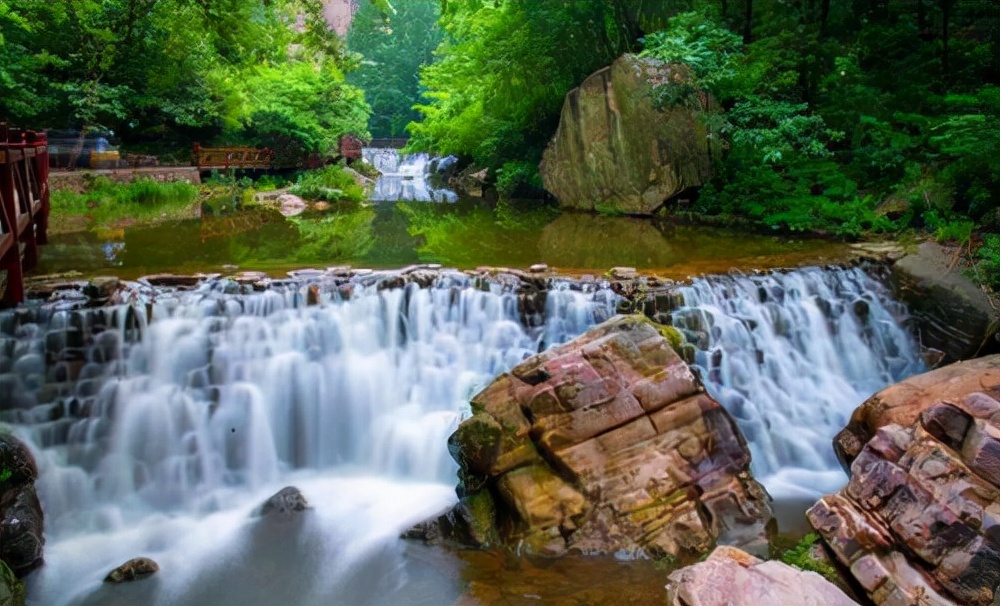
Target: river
{"points": [[160, 427]]}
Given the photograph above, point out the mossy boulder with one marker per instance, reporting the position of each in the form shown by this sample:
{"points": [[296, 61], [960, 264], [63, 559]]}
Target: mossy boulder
{"points": [[21, 521], [605, 444], [619, 150]]}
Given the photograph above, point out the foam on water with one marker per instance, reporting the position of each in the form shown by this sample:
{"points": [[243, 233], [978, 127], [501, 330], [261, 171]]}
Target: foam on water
{"points": [[180, 425]]}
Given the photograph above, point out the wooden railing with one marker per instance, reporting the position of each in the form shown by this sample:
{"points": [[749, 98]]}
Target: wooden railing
{"points": [[24, 198], [231, 157]]}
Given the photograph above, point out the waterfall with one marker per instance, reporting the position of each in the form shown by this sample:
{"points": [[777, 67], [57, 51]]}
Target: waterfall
{"points": [[403, 177], [222, 392], [791, 355], [159, 426]]}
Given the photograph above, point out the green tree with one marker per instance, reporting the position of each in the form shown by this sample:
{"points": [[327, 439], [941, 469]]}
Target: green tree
{"points": [[394, 45]]}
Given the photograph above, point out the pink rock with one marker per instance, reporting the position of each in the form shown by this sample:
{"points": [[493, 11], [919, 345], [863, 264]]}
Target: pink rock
{"points": [[730, 577]]}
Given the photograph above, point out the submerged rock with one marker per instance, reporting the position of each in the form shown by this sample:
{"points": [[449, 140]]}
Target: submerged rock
{"points": [[287, 500], [731, 577], [133, 570], [21, 521], [607, 444], [919, 521], [616, 150]]}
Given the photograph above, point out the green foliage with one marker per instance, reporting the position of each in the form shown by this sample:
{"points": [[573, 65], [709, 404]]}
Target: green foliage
{"points": [[518, 179], [394, 44], [801, 557], [11, 590], [331, 183], [105, 200], [710, 50], [495, 91], [949, 228], [987, 270], [176, 71], [968, 138], [5, 475]]}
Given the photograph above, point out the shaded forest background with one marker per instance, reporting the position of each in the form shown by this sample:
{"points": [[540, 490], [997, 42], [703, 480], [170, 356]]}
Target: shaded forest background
{"points": [[845, 117]]}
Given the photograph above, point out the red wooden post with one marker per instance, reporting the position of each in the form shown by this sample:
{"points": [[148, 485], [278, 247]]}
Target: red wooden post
{"points": [[41, 141], [11, 261]]}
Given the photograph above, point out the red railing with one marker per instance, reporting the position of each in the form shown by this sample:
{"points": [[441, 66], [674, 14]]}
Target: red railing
{"points": [[24, 198], [231, 157]]}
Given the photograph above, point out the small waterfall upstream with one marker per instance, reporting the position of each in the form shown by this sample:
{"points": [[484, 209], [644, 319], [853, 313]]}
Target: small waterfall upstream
{"points": [[157, 433], [404, 177]]}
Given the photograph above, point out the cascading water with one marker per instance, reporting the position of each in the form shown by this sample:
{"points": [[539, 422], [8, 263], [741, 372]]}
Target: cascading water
{"points": [[177, 427], [791, 355], [173, 429], [403, 178]]}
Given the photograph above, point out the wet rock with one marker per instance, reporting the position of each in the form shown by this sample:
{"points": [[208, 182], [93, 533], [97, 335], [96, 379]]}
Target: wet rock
{"points": [[291, 205], [616, 150], [903, 402], [607, 443], [731, 577], [919, 521], [133, 570], [951, 312], [624, 273], [171, 280], [21, 521], [286, 501], [538, 268]]}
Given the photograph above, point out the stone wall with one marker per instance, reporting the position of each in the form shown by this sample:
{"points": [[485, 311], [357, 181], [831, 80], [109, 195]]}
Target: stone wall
{"points": [[78, 180]]}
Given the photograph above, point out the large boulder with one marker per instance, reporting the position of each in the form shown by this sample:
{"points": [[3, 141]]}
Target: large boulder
{"points": [[731, 577], [952, 314], [903, 402], [919, 521], [21, 521], [607, 444], [618, 149]]}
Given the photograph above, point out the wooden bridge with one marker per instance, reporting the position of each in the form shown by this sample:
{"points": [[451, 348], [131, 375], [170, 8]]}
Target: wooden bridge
{"points": [[207, 158], [24, 198]]}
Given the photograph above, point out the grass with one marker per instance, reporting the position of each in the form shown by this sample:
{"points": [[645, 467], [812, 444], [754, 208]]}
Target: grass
{"points": [[106, 201], [801, 557]]}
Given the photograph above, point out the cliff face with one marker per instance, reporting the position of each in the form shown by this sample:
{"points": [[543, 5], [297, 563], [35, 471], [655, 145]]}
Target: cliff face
{"points": [[619, 150]]}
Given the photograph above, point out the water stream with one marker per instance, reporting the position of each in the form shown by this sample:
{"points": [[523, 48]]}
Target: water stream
{"points": [[159, 435], [404, 177]]}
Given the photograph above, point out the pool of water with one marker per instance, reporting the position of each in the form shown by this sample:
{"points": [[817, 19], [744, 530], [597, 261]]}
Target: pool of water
{"points": [[466, 234]]}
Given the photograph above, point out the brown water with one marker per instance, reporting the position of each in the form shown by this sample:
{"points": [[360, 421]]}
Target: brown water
{"points": [[463, 235]]}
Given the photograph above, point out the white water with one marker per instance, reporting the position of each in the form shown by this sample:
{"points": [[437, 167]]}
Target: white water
{"points": [[403, 178], [228, 398], [790, 357]]}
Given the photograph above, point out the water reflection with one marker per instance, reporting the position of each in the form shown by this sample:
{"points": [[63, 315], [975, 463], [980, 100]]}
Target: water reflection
{"points": [[466, 234]]}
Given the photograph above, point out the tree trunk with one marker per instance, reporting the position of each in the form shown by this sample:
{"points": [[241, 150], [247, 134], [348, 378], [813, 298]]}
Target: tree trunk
{"points": [[824, 16], [748, 23], [946, 6]]}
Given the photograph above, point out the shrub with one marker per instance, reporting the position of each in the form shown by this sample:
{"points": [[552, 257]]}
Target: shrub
{"points": [[987, 271], [331, 183]]}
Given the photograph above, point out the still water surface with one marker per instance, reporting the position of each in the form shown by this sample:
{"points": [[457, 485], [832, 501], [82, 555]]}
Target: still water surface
{"points": [[466, 234]]}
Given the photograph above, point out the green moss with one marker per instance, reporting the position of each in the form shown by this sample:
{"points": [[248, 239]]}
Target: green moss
{"points": [[11, 590], [482, 511], [801, 556], [671, 334]]}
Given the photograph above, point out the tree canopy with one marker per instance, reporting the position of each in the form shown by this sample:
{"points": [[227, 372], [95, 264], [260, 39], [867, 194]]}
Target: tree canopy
{"points": [[833, 109], [173, 71]]}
